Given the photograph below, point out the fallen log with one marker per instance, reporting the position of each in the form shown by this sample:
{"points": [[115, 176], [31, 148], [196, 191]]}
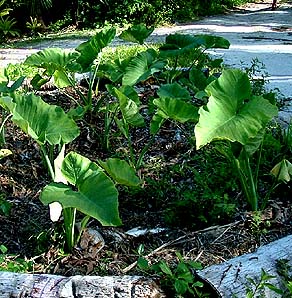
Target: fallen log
{"points": [[15, 285], [229, 279]]}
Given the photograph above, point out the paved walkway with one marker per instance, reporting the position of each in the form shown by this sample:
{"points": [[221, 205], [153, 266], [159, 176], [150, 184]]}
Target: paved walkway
{"points": [[254, 32]]}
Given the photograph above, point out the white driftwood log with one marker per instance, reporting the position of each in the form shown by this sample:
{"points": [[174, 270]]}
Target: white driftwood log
{"points": [[229, 278], [14, 285]]}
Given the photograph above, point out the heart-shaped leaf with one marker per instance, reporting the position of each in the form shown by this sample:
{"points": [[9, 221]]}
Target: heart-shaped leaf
{"points": [[232, 113], [211, 41], [137, 33], [96, 194], [174, 90], [56, 62], [178, 44], [176, 109], [90, 49], [142, 66]]}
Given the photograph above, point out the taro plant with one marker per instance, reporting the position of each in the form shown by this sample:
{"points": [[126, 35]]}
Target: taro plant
{"points": [[234, 114], [83, 185], [179, 46], [137, 33], [96, 194]]}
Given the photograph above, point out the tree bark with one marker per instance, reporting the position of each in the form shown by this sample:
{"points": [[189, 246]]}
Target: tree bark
{"points": [[15, 285], [230, 278]]}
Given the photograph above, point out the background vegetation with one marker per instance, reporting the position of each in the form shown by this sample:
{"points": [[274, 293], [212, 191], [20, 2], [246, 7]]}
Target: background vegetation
{"points": [[41, 15]]}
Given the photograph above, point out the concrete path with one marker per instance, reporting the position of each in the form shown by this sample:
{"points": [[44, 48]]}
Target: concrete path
{"points": [[254, 32]]}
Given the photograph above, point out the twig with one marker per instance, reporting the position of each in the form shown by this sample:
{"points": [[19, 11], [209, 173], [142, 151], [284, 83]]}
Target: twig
{"points": [[130, 267], [181, 239]]}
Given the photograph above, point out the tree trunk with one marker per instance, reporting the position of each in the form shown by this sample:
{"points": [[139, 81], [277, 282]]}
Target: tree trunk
{"points": [[230, 278], [15, 285]]}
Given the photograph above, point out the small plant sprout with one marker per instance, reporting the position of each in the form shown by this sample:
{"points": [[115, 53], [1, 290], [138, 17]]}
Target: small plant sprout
{"points": [[256, 288]]}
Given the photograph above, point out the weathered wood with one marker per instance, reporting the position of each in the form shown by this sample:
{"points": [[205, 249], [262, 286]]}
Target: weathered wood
{"points": [[14, 285], [229, 278]]}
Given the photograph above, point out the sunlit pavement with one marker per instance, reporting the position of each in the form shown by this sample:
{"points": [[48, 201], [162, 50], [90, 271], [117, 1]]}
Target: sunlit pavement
{"points": [[260, 34]]}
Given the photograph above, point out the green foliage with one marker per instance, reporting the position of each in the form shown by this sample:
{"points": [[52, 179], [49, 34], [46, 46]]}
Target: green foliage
{"points": [[283, 170], [55, 62], [90, 50], [43, 122], [13, 263], [4, 11], [152, 12], [257, 288], [7, 28], [234, 114], [143, 66], [179, 281], [33, 26], [96, 195], [14, 71], [284, 269], [38, 6], [120, 171], [136, 34]]}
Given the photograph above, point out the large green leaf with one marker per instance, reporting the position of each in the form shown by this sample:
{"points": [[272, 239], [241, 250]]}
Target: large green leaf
{"points": [[176, 109], [56, 62], [96, 194], [198, 78], [113, 70], [232, 113], [43, 122], [179, 44], [76, 168], [137, 33], [90, 49], [52, 59], [211, 41], [142, 66], [120, 171], [174, 90]]}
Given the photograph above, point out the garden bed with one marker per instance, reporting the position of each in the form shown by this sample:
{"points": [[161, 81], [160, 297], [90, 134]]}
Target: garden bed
{"points": [[189, 200]]}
